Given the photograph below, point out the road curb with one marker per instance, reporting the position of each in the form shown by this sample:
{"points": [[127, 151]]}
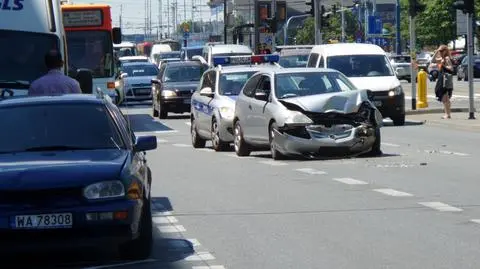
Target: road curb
{"points": [[433, 111]]}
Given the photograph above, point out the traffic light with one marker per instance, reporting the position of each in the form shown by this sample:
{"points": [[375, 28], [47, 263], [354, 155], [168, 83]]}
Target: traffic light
{"points": [[323, 17], [415, 7], [334, 9], [466, 6], [311, 11], [272, 24]]}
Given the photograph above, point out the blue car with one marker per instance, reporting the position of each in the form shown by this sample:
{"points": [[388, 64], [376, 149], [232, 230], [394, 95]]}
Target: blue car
{"points": [[72, 173]]}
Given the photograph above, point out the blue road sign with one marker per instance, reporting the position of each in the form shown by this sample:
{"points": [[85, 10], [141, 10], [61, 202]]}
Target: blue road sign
{"points": [[375, 25], [186, 34]]}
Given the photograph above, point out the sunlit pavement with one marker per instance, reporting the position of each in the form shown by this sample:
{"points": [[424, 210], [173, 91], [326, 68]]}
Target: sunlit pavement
{"points": [[414, 207]]}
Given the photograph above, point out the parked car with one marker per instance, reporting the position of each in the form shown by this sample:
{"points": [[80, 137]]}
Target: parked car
{"points": [[174, 85], [402, 66], [307, 112], [135, 80], [462, 72], [73, 174], [294, 56]]}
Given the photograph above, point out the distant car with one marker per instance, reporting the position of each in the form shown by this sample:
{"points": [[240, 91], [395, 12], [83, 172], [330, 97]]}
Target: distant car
{"points": [[462, 72], [135, 81], [167, 56], [213, 103], [73, 174], [402, 66], [306, 112], [134, 59], [187, 53], [174, 85]]}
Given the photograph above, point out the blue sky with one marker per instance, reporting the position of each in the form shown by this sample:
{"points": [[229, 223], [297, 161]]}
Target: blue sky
{"points": [[133, 15]]}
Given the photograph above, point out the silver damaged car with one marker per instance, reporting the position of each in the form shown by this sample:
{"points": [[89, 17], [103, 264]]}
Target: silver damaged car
{"points": [[307, 112]]}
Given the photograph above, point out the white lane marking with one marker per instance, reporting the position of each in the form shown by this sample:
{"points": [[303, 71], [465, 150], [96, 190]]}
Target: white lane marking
{"points": [[205, 150], [161, 214], [164, 220], [390, 145], [194, 242], [154, 132], [181, 145], [453, 153], [475, 220], [273, 163], [350, 181], [209, 267], [188, 123], [233, 155], [159, 140], [200, 256], [171, 229], [441, 207], [311, 171], [120, 264], [393, 192]]}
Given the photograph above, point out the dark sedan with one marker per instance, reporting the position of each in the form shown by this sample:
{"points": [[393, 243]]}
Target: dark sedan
{"points": [[174, 86], [72, 174], [462, 69]]}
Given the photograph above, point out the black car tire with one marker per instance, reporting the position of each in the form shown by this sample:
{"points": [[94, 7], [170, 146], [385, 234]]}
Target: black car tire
{"points": [[197, 141], [398, 120], [465, 78], [162, 111], [154, 110], [276, 155], [217, 143], [459, 78], [141, 247], [241, 147]]}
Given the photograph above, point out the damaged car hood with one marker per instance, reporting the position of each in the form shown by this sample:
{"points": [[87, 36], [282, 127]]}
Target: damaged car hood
{"points": [[340, 102]]}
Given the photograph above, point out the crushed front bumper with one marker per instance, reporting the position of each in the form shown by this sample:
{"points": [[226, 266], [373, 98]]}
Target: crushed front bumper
{"points": [[318, 140]]}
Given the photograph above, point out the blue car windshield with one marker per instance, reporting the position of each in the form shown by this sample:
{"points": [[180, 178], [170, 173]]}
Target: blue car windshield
{"points": [[140, 70], [82, 126], [231, 84], [183, 73]]}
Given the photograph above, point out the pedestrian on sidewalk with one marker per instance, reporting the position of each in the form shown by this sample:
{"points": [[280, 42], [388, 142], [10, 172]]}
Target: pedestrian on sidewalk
{"points": [[444, 85], [54, 82]]}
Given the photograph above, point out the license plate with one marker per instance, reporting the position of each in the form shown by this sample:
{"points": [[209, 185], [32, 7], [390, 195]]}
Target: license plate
{"points": [[377, 103], [43, 221], [147, 91], [187, 101]]}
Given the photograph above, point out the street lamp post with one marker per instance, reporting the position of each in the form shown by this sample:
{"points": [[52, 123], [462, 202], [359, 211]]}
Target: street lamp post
{"points": [[225, 15]]}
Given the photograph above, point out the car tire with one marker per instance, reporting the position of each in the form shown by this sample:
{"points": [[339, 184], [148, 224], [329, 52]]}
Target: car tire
{"points": [[408, 80], [162, 111], [459, 78], [398, 120], [197, 141], [276, 155], [154, 110], [377, 146], [141, 247], [217, 143], [465, 78], [241, 147]]}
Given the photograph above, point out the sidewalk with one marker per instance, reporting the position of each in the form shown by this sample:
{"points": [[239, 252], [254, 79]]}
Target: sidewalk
{"points": [[435, 107], [459, 121]]}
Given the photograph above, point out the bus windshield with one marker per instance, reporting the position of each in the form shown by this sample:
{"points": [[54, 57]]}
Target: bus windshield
{"points": [[22, 55], [92, 50]]}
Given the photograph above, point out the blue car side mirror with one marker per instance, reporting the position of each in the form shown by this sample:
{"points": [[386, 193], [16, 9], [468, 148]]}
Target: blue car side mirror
{"points": [[145, 143]]}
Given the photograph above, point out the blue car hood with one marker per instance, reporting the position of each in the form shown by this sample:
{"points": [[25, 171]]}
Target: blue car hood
{"points": [[59, 169]]}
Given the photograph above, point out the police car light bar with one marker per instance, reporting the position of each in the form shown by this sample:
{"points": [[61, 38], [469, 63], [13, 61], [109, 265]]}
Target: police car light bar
{"points": [[266, 58], [231, 60]]}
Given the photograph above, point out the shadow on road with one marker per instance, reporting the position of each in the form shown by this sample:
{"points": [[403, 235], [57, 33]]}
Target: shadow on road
{"points": [[146, 123], [407, 123], [178, 116]]}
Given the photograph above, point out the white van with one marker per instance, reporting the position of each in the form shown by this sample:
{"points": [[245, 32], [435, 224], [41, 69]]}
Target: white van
{"points": [[28, 30], [368, 67], [156, 50], [212, 50], [125, 49]]}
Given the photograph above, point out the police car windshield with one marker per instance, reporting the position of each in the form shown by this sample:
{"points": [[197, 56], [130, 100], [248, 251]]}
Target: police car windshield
{"points": [[310, 83], [22, 54], [231, 84], [294, 61], [92, 50], [86, 126], [194, 52], [361, 65], [140, 70], [183, 73]]}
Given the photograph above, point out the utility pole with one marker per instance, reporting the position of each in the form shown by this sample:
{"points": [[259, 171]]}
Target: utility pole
{"points": [[185, 10], [319, 10], [398, 43], [414, 8], [225, 19], [343, 21], [168, 18], [193, 22], [274, 21], [468, 7], [160, 21], [120, 17]]}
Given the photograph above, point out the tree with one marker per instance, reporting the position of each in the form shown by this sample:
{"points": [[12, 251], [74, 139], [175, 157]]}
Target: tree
{"points": [[306, 35]]}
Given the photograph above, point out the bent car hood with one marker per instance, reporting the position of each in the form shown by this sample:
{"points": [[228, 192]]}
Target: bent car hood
{"points": [[341, 102], [60, 169]]}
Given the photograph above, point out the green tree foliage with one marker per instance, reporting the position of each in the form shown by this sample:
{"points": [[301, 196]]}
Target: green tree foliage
{"points": [[306, 35]]}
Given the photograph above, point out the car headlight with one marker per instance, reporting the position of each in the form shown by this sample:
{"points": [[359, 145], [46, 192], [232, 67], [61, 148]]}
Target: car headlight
{"points": [[104, 189], [226, 112], [395, 91], [298, 118], [168, 93]]}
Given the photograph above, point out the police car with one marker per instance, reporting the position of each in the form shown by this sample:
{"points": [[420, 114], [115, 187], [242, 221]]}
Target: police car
{"points": [[213, 102]]}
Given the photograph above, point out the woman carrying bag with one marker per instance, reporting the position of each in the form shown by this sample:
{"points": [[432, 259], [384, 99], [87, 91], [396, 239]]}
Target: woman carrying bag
{"points": [[444, 85]]}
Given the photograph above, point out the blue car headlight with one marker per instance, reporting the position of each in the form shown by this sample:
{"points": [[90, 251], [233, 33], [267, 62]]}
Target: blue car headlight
{"points": [[104, 190]]}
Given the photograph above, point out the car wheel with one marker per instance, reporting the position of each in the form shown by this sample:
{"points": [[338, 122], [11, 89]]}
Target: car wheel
{"points": [[241, 147], [398, 120], [276, 155], [154, 110], [197, 141], [162, 112], [459, 77], [141, 247], [217, 143], [408, 80]]}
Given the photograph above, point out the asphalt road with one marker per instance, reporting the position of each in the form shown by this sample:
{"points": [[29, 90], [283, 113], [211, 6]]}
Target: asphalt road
{"points": [[417, 206]]}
